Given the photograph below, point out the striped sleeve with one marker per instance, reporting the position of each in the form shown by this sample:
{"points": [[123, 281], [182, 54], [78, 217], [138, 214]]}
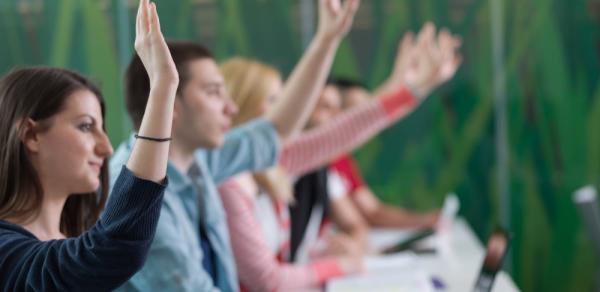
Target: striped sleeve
{"points": [[351, 129], [258, 267]]}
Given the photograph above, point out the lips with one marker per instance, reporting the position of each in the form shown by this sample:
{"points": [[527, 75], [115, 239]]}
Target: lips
{"points": [[97, 166], [225, 127]]}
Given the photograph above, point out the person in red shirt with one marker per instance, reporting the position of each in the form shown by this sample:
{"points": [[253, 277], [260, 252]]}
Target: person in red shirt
{"points": [[345, 173]]}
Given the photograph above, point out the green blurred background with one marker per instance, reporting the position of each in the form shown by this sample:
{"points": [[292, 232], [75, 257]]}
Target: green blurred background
{"points": [[545, 54]]}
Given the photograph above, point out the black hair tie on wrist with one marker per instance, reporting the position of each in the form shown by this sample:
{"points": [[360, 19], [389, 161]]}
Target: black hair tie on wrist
{"points": [[153, 139]]}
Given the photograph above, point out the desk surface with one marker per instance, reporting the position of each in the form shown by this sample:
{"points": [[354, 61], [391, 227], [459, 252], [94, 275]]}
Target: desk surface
{"points": [[456, 263]]}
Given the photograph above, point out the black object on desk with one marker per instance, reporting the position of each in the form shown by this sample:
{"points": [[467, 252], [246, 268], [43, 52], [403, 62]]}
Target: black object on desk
{"points": [[408, 244]]}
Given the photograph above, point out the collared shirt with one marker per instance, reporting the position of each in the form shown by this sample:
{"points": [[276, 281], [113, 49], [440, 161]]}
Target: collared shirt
{"points": [[175, 259]]}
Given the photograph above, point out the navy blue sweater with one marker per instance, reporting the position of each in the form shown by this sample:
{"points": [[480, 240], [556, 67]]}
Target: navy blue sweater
{"points": [[101, 259]]}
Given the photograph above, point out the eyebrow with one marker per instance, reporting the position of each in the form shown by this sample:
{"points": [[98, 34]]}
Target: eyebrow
{"points": [[94, 121], [213, 83]]}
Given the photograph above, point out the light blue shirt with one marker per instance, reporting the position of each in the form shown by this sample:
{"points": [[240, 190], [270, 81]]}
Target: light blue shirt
{"points": [[175, 259]]}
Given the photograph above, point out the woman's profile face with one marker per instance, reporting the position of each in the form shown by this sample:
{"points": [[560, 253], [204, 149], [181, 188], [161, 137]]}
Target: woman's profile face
{"points": [[68, 155], [275, 88]]}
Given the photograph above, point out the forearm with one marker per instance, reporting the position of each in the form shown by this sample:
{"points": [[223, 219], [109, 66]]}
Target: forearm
{"points": [[359, 232], [148, 159], [351, 129], [349, 220], [302, 89], [394, 217]]}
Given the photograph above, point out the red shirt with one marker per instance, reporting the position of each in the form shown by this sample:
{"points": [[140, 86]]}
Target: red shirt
{"points": [[346, 168]]}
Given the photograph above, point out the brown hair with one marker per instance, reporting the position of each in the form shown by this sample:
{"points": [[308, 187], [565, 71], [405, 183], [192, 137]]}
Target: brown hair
{"points": [[39, 93], [137, 83]]}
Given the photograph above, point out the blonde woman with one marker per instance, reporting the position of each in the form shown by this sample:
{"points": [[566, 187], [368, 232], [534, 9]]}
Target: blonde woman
{"points": [[260, 248]]}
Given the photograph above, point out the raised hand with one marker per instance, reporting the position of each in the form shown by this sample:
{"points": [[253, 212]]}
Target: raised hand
{"points": [[430, 61], [151, 47], [448, 46], [336, 19], [424, 63], [149, 158]]}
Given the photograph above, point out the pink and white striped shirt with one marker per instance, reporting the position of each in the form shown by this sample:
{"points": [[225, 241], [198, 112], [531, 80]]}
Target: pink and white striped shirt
{"points": [[262, 268]]}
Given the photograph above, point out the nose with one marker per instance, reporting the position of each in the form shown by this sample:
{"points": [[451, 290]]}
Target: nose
{"points": [[103, 147], [230, 107]]}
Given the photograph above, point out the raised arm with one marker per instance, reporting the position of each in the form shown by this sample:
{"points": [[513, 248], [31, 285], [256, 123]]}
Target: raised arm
{"points": [[115, 248], [420, 66], [304, 85], [149, 158]]}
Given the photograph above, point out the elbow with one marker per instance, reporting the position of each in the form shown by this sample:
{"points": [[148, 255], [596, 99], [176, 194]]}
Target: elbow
{"points": [[133, 258], [372, 218], [284, 127]]}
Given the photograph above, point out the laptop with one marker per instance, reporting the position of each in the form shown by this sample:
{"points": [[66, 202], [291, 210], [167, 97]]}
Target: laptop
{"points": [[496, 250]]}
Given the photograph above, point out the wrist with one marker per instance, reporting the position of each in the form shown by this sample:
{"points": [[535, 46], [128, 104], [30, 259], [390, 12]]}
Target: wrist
{"points": [[415, 90], [164, 85], [327, 40]]}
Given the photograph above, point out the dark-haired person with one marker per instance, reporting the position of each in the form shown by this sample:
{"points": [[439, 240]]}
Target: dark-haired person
{"points": [[53, 177], [191, 250]]}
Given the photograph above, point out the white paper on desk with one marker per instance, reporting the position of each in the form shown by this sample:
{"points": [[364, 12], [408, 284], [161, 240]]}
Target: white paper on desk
{"points": [[401, 280], [385, 263]]}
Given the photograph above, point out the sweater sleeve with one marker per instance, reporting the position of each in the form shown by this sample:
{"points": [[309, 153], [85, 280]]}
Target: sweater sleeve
{"points": [[100, 259], [258, 267], [351, 129]]}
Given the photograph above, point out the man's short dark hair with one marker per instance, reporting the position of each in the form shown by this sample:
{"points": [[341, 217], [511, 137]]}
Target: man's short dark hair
{"points": [[344, 83], [137, 83]]}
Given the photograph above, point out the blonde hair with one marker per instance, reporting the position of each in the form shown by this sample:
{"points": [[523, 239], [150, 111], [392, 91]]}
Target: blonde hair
{"points": [[247, 82]]}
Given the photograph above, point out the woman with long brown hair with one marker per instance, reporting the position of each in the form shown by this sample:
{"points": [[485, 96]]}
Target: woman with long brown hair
{"points": [[53, 175]]}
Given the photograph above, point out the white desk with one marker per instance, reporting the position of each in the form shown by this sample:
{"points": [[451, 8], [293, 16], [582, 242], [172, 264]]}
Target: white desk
{"points": [[457, 262]]}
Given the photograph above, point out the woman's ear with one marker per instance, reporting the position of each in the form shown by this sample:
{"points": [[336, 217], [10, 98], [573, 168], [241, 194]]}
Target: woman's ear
{"points": [[29, 135]]}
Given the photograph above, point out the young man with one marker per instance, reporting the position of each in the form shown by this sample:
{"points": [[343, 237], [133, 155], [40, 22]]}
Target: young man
{"points": [[191, 250]]}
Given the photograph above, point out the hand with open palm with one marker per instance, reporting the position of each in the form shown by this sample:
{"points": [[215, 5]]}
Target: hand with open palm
{"points": [[335, 19], [426, 62], [151, 47]]}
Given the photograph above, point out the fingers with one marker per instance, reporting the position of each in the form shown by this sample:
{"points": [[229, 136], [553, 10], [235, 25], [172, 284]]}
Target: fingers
{"points": [[151, 14], [145, 16], [142, 24], [155, 22], [426, 34], [350, 8], [333, 6], [406, 44], [445, 40], [329, 7], [138, 18]]}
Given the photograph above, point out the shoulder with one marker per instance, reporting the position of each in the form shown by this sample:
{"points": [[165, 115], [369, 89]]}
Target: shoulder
{"points": [[17, 244], [259, 130], [10, 231], [254, 127]]}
